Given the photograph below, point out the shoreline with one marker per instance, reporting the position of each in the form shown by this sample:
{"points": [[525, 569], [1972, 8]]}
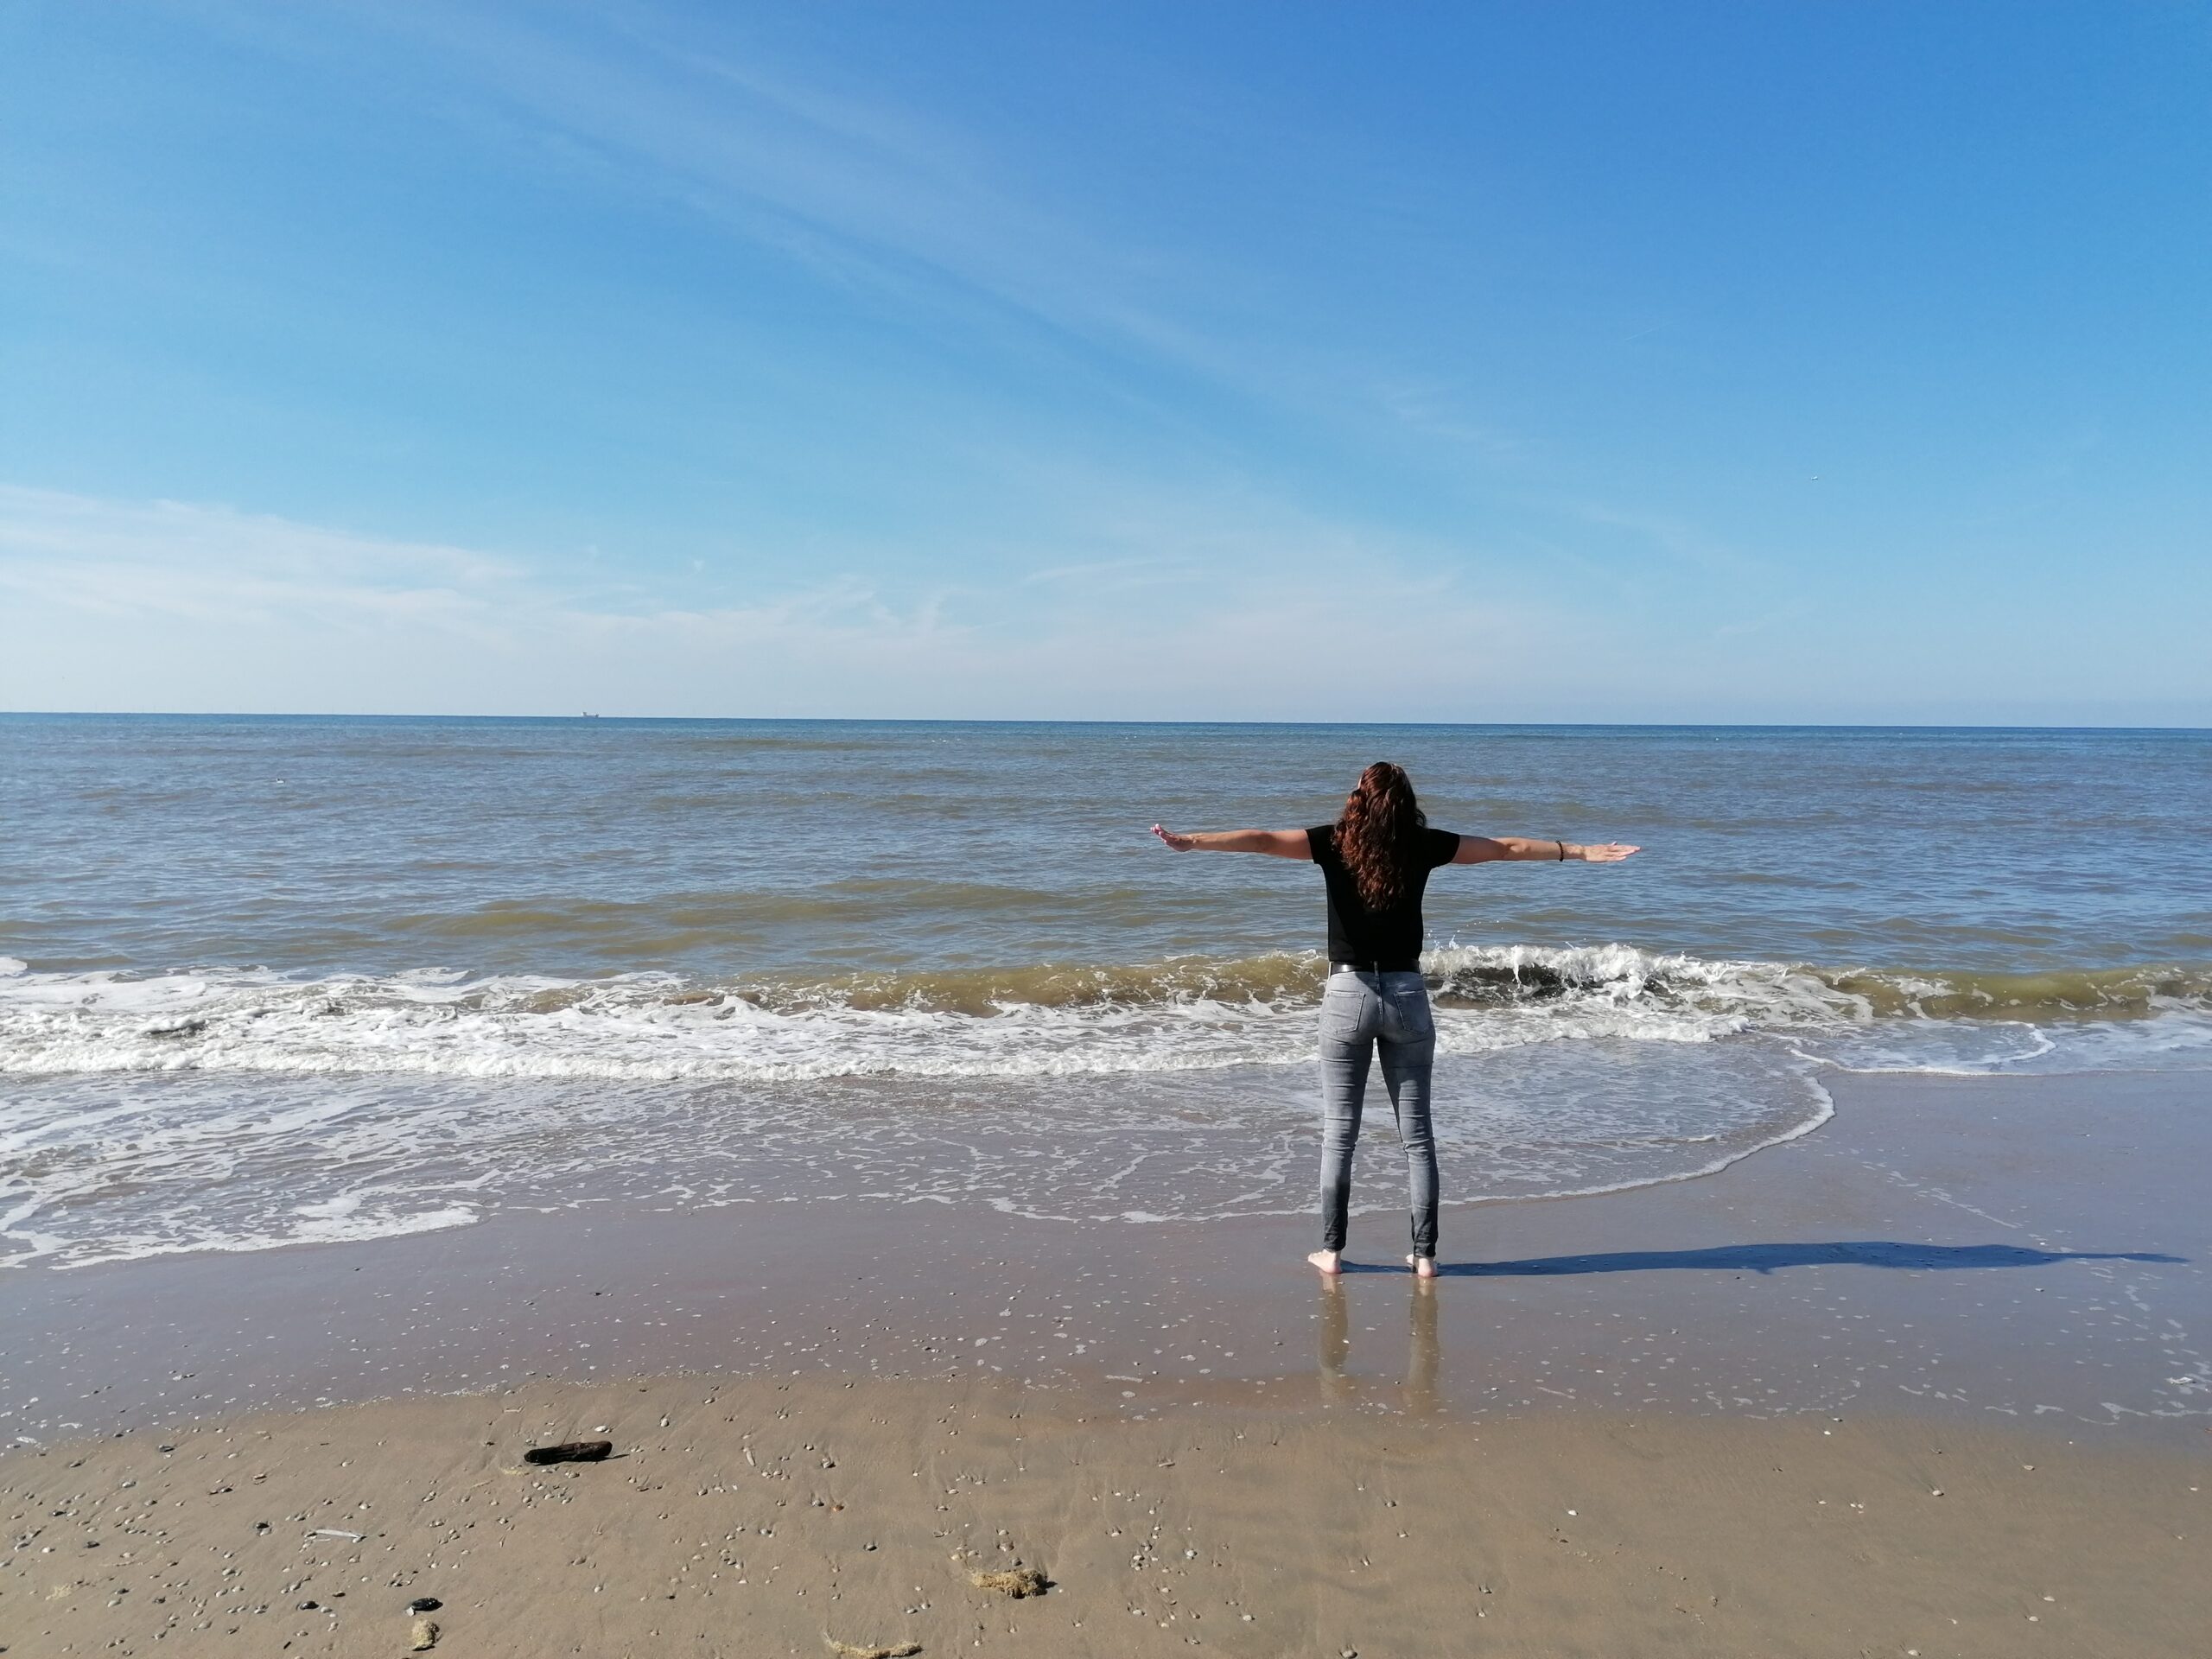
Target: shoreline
{"points": [[1881, 1390], [2022, 1247]]}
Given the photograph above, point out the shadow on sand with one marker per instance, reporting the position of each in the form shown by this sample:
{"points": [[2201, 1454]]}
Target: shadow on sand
{"points": [[1766, 1258]]}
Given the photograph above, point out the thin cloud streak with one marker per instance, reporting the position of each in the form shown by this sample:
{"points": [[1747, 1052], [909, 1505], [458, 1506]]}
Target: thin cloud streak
{"points": [[171, 605], [866, 192], [880, 199]]}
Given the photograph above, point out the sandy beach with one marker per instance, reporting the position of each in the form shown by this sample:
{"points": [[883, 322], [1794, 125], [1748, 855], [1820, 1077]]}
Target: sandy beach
{"points": [[762, 1517], [1927, 1381]]}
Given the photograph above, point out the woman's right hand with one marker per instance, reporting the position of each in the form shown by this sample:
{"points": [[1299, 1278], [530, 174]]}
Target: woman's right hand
{"points": [[1175, 842]]}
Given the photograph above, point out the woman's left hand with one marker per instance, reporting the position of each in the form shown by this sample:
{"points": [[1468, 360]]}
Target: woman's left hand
{"points": [[1611, 853]]}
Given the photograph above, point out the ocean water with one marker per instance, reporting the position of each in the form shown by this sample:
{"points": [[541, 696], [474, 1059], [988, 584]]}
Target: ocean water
{"points": [[276, 980]]}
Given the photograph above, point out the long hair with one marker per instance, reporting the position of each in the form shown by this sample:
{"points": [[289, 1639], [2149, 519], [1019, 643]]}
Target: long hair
{"points": [[1377, 833]]}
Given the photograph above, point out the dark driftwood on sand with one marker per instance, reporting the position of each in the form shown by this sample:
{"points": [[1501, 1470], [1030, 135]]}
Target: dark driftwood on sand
{"points": [[572, 1452]]}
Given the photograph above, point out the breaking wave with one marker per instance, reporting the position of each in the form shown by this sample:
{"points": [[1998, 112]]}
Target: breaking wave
{"points": [[1187, 1013], [144, 1116]]}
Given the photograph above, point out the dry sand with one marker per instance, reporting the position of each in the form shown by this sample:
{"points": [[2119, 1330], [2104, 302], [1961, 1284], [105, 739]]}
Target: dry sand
{"points": [[764, 1517]]}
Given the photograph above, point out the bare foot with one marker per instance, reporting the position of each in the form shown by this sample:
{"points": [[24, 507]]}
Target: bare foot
{"points": [[1424, 1267], [1327, 1260]]}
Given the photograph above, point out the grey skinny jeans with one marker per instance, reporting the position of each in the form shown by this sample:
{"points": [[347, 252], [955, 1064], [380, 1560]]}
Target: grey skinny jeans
{"points": [[1360, 1013]]}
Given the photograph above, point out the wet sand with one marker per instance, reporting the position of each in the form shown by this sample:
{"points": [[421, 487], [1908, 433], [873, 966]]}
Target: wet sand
{"points": [[1748, 1391], [2026, 1249]]}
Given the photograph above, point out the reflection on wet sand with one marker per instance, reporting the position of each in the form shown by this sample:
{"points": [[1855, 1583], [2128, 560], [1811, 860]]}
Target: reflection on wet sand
{"points": [[1424, 1352]]}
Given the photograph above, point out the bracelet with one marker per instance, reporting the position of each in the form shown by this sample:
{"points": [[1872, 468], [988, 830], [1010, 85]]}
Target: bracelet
{"points": [[1562, 852]]}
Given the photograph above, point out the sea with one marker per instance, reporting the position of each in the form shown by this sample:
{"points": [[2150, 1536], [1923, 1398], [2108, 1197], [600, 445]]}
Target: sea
{"points": [[270, 981]]}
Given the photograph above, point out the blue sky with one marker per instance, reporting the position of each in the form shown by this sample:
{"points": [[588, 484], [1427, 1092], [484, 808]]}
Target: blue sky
{"points": [[1430, 362]]}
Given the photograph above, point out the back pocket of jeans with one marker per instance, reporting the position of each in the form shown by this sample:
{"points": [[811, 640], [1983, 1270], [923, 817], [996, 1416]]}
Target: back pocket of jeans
{"points": [[1340, 1019]]}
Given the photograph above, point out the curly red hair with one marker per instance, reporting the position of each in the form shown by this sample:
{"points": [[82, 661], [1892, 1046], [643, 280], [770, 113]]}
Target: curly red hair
{"points": [[1377, 832]]}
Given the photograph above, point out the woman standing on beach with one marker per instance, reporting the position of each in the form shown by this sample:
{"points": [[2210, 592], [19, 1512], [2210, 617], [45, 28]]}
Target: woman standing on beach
{"points": [[1376, 859]]}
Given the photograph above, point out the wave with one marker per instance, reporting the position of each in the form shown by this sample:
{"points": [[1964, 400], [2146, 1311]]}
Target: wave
{"points": [[148, 1114], [1183, 1013], [1514, 974]]}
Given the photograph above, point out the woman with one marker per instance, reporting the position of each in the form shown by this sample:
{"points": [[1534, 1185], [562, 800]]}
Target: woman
{"points": [[1376, 859]]}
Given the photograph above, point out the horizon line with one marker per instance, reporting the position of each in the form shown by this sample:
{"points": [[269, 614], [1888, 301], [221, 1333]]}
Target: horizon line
{"points": [[910, 720]]}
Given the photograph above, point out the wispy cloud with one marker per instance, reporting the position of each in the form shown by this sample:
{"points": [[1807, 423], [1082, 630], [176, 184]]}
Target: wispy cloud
{"points": [[1435, 411], [170, 605], [911, 210], [1762, 623], [1117, 576], [865, 191], [1675, 538], [215, 564]]}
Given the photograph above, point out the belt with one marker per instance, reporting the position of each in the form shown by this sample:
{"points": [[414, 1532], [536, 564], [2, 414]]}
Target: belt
{"points": [[1412, 967]]}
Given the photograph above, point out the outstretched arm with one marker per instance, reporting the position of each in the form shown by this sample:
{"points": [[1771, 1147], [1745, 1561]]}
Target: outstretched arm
{"points": [[1275, 844], [1482, 849]]}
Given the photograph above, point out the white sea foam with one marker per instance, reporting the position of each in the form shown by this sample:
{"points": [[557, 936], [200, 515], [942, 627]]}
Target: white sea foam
{"points": [[633, 1027], [107, 1168], [1170, 1018], [247, 1111]]}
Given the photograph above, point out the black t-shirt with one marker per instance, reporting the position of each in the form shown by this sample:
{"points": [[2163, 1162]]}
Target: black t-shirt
{"points": [[1390, 936]]}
